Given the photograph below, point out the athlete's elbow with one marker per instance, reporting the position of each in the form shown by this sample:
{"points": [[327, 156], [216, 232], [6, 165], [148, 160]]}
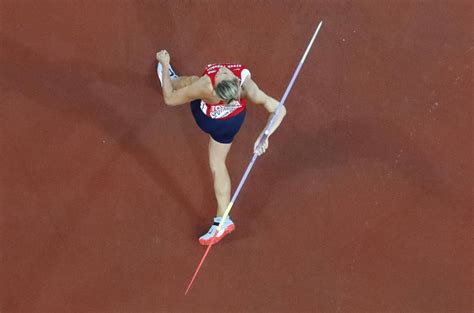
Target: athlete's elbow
{"points": [[283, 111], [274, 106], [170, 101]]}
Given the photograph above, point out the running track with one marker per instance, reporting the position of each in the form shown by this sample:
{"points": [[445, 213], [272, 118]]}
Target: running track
{"points": [[363, 202]]}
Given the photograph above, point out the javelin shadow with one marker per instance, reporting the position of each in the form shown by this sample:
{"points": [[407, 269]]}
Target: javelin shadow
{"points": [[196, 141]]}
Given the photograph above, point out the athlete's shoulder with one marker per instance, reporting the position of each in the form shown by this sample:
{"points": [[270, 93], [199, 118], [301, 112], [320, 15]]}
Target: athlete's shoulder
{"points": [[204, 83], [252, 92]]}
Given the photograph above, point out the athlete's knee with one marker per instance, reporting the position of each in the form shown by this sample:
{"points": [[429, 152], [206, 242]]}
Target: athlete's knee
{"points": [[217, 166]]}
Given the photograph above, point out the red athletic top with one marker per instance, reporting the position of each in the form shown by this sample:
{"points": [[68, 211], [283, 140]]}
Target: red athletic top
{"points": [[221, 110]]}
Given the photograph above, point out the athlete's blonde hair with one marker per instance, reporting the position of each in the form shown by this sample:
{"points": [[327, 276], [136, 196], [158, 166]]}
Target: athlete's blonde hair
{"points": [[228, 90]]}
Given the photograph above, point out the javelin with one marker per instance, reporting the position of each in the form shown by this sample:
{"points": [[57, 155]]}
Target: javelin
{"points": [[255, 155]]}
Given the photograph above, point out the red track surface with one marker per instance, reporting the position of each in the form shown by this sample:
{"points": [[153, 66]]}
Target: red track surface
{"points": [[361, 204]]}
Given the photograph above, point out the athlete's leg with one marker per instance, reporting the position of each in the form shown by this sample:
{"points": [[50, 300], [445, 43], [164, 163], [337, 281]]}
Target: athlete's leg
{"points": [[217, 157]]}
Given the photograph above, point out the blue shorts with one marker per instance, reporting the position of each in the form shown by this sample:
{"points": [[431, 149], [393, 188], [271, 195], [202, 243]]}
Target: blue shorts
{"points": [[221, 130]]}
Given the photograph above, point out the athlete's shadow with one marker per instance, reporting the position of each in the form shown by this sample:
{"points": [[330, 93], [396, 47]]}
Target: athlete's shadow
{"points": [[172, 36], [73, 89]]}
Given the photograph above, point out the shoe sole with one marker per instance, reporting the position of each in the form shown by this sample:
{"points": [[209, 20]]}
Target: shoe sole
{"points": [[207, 242]]}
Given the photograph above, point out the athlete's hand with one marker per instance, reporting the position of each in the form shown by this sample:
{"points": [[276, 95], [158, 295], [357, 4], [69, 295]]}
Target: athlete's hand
{"points": [[163, 57], [259, 150]]}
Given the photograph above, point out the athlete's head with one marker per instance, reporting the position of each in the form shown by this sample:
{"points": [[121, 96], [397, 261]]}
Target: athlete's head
{"points": [[227, 85]]}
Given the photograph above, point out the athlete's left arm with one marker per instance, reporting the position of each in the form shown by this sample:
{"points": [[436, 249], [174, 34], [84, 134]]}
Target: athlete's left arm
{"points": [[257, 96]]}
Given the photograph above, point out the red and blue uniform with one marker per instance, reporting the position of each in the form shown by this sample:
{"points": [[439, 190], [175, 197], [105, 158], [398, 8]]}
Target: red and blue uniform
{"points": [[221, 121]]}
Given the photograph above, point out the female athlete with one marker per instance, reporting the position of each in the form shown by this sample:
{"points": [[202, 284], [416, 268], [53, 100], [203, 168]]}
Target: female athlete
{"points": [[218, 103]]}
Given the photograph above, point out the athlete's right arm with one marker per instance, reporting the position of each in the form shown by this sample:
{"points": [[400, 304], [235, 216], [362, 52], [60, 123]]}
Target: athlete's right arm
{"points": [[195, 90], [183, 95]]}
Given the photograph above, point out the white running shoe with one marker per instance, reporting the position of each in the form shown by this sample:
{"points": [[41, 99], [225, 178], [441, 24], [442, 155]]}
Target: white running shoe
{"points": [[227, 228], [159, 71]]}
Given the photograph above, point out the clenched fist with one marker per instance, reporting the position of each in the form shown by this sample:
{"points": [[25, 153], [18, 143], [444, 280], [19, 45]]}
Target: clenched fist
{"points": [[258, 148], [163, 57]]}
